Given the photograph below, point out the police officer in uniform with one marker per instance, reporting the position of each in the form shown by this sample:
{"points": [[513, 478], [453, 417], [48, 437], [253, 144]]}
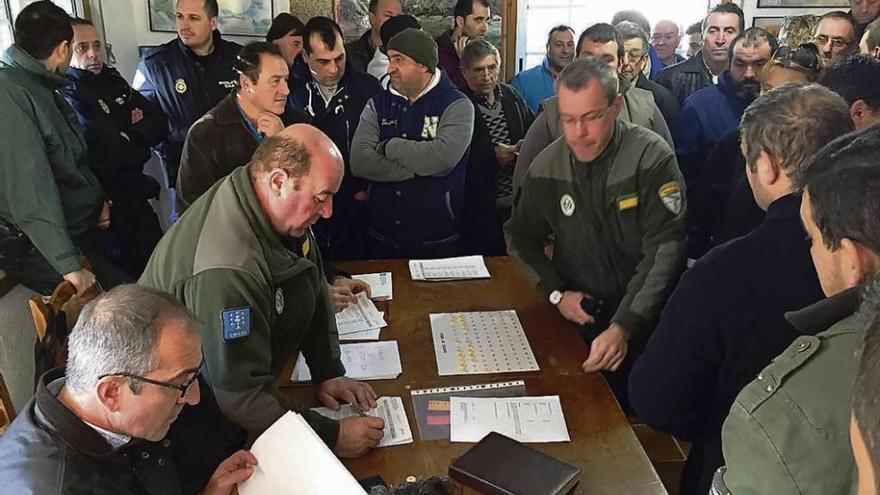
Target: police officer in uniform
{"points": [[788, 431], [244, 260], [609, 202], [120, 127], [188, 76]]}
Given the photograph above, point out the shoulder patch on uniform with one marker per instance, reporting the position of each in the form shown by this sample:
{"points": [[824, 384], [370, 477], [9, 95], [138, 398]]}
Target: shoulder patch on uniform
{"points": [[670, 195], [236, 323]]}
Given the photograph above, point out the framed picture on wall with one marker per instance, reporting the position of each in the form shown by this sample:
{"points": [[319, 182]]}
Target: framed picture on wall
{"points": [[767, 22], [801, 4], [237, 17]]}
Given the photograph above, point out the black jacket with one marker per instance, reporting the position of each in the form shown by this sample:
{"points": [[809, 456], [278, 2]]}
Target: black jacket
{"points": [[216, 144], [480, 222], [722, 325], [48, 450], [185, 86], [359, 52], [117, 149], [686, 78], [666, 102]]}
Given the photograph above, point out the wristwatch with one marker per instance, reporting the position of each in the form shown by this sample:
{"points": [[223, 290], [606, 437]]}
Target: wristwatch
{"points": [[555, 297]]}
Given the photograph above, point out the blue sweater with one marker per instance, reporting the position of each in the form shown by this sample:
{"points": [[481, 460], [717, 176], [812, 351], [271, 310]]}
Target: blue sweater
{"points": [[535, 84]]}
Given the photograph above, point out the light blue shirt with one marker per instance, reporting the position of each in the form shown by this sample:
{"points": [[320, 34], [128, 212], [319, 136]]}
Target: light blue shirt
{"points": [[535, 84]]}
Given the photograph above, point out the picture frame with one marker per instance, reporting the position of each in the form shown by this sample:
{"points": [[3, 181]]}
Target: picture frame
{"points": [[250, 18], [802, 4], [764, 22]]}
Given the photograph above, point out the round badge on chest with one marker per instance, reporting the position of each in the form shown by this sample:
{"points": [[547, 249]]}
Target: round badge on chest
{"points": [[279, 301], [566, 204]]}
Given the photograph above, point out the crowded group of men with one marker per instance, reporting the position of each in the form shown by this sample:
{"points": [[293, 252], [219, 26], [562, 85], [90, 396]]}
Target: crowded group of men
{"points": [[702, 206]]}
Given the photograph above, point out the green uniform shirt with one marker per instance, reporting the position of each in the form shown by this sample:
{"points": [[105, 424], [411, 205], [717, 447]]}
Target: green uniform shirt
{"points": [[261, 302], [617, 223], [788, 431], [46, 186]]}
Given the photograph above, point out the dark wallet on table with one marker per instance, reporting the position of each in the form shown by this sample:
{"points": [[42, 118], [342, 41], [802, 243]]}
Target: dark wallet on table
{"points": [[499, 465]]}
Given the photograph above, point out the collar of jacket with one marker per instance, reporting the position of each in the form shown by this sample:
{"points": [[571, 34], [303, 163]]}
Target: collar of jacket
{"points": [[89, 77], [480, 99], [784, 208], [283, 263], [695, 64], [56, 417], [226, 112], [820, 316], [367, 43], [445, 43], [18, 58], [436, 80], [218, 40]]}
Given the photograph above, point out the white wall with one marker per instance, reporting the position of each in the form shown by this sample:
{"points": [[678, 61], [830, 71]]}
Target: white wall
{"points": [[127, 26]]}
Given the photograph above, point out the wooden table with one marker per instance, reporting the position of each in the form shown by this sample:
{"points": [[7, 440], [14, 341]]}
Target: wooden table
{"points": [[603, 444]]}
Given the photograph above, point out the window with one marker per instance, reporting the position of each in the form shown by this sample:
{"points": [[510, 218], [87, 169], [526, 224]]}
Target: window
{"points": [[541, 15], [10, 8]]}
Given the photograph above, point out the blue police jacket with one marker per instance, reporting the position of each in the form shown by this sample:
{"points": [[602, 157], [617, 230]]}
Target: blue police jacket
{"points": [[185, 86]]}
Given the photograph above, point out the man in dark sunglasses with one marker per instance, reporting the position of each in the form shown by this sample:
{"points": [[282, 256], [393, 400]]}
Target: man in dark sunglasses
{"points": [[100, 425]]}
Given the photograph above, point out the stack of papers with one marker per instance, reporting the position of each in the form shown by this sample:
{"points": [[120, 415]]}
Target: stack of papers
{"points": [[363, 361], [293, 459], [461, 268], [525, 419], [381, 288], [390, 409], [360, 321]]}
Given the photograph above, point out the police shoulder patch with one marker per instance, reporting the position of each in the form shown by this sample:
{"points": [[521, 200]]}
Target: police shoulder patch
{"points": [[236, 323], [670, 195]]}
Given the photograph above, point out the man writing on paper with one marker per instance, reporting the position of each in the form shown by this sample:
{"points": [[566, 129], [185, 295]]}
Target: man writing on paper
{"points": [[611, 197], [245, 261]]}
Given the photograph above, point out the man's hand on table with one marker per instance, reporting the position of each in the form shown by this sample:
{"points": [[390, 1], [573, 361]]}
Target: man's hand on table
{"points": [[358, 435], [237, 468], [343, 292], [342, 389], [607, 350]]}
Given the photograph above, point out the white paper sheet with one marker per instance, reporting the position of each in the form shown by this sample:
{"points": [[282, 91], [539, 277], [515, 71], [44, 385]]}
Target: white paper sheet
{"points": [[359, 317], [461, 268], [293, 460], [362, 361], [526, 419], [397, 431], [381, 288]]}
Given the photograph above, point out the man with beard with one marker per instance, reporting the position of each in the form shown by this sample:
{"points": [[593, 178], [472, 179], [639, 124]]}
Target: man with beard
{"points": [[709, 114], [536, 84], [471, 22]]}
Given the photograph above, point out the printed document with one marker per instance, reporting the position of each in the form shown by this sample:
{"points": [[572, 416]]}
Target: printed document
{"points": [[362, 361], [381, 288], [525, 419], [390, 409], [461, 268]]}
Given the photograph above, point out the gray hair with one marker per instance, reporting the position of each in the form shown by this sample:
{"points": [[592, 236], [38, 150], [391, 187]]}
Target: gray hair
{"points": [[285, 152], [630, 30], [581, 71], [791, 123], [477, 50], [117, 333]]}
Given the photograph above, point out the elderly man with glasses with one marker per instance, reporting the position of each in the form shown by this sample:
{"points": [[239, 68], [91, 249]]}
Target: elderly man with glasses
{"points": [[836, 37], [101, 425]]}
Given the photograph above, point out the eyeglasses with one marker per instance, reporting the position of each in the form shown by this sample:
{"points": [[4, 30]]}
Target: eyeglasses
{"points": [[836, 42], [587, 117], [806, 55], [183, 388]]}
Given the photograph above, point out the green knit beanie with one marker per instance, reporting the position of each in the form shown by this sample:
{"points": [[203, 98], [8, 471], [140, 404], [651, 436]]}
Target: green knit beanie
{"points": [[417, 45]]}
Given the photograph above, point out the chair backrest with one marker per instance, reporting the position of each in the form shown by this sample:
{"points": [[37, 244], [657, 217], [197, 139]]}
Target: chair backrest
{"points": [[7, 411]]}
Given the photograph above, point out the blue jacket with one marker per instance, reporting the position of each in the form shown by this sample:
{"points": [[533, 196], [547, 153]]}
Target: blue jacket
{"points": [[722, 325], [423, 212], [535, 84], [185, 86], [706, 117]]}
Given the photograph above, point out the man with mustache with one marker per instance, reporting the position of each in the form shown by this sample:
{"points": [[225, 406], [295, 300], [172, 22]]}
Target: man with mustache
{"points": [[227, 136], [243, 258], [101, 425], [710, 113]]}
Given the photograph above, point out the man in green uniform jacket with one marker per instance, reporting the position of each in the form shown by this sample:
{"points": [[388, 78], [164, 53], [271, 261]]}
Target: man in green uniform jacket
{"points": [[243, 259], [50, 201], [608, 198], [788, 431]]}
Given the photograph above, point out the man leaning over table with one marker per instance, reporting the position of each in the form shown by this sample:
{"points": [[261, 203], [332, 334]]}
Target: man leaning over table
{"points": [[244, 259], [610, 198]]}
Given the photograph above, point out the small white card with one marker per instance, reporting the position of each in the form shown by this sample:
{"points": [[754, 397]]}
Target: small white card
{"points": [[390, 409], [381, 288]]}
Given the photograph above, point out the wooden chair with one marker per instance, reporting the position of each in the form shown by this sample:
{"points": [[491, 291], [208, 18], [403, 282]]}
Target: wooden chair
{"points": [[7, 411]]}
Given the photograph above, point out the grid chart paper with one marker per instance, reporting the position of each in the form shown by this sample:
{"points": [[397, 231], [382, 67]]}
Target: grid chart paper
{"points": [[480, 342]]}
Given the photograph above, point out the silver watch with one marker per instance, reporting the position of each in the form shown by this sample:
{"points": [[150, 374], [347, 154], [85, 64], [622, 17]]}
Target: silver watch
{"points": [[555, 297]]}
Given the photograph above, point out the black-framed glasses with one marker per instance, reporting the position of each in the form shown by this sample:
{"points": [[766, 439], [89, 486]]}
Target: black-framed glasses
{"points": [[183, 388], [806, 55]]}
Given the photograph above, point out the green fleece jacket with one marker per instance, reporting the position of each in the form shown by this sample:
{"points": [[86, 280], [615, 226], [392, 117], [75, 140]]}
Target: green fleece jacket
{"points": [[46, 186], [262, 299], [616, 223]]}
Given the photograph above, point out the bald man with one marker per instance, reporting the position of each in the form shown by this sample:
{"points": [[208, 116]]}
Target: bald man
{"points": [[665, 39], [245, 261]]}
